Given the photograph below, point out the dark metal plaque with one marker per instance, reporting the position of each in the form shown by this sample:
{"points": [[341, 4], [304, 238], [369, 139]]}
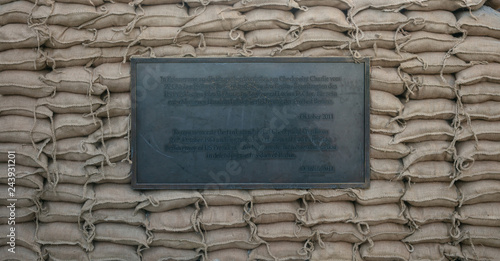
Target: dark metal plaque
{"points": [[248, 123]]}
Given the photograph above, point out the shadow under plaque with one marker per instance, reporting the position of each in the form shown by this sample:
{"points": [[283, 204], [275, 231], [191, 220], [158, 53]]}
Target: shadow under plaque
{"points": [[250, 123]]}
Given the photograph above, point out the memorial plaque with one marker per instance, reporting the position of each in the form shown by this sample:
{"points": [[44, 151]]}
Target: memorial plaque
{"points": [[250, 123]]}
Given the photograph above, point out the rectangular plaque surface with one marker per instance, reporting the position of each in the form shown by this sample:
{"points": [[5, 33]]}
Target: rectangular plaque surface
{"points": [[203, 123]]}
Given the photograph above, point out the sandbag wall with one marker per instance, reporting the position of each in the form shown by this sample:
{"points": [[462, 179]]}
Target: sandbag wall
{"points": [[435, 132]]}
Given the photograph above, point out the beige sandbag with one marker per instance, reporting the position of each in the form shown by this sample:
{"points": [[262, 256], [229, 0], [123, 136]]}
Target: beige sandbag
{"points": [[115, 150], [330, 195], [425, 130], [431, 233], [376, 39], [24, 236], [449, 5], [481, 235], [483, 21], [22, 215], [22, 59], [384, 250], [25, 176], [22, 106], [115, 76], [20, 36], [468, 49], [163, 200], [117, 104], [73, 125], [21, 253], [226, 197], [282, 250], [481, 170], [160, 36], [73, 172], [434, 251], [483, 130], [436, 21], [277, 195], [272, 52], [480, 92], [283, 231], [61, 233], [119, 173], [318, 213], [470, 151], [388, 232], [425, 215], [26, 197], [479, 73], [177, 240], [479, 252], [429, 171], [275, 212], [380, 192], [24, 83], [340, 4], [67, 193], [480, 214], [66, 102], [26, 155], [165, 253], [121, 234], [65, 37], [234, 254], [379, 214], [339, 232], [121, 53], [198, 3], [316, 37], [177, 220], [340, 251], [482, 111], [429, 42], [180, 50], [388, 80], [111, 128], [212, 19], [77, 55], [394, 5], [230, 238], [110, 251], [222, 38], [111, 15], [385, 103], [432, 87], [71, 15], [122, 216], [221, 52], [432, 194], [481, 191], [266, 19], [268, 38], [381, 148], [55, 211], [217, 217], [72, 149], [74, 80], [110, 37], [22, 129], [113, 196], [428, 151], [325, 17], [163, 15], [385, 169], [434, 63], [378, 20], [244, 6], [15, 12], [381, 56]]}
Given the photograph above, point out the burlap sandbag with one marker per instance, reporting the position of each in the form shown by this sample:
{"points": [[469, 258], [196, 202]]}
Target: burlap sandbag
{"points": [[163, 15], [198, 3], [77, 55], [484, 22], [383, 57], [222, 52], [111, 15], [65, 102], [121, 234], [428, 151], [165, 253], [65, 37], [449, 5], [434, 63], [121, 53], [222, 38], [330, 195], [16, 12], [394, 5], [481, 235], [340, 251], [111, 195], [429, 42], [480, 92], [230, 238], [432, 87], [429, 171], [110, 37], [385, 169], [384, 103], [22, 106], [339, 232], [73, 125], [483, 130], [26, 155], [470, 151], [322, 17], [381, 148], [68, 252], [268, 38], [425, 215], [72, 149], [67, 193], [217, 217], [21, 253], [62, 233], [119, 173], [26, 197], [378, 20], [160, 36], [380, 192], [177, 220], [24, 83], [481, 111], [20, 36], [180, 50], [275, 212], [434, 251], [384, 250], [275, 195], [479, 73], [114, 151], [479, 252], [273, 52], [121, 216], [56, 211], [117, 104], [431, 194], [74, 80], [388, 80], [481, 191], [234, 254], [431, 233], [163, 200], [177, 240], [22, 59], [340, 4], [283, 231], [319, 213], [73, 172], [244, 6], [468, 50], [317, 37], [388, 232], [22, 129], [212, 19], [24, 214], [25, 176], [376, 39], [379, 214], [24, 236], [282, 250], [71, 15], [481, 170], [111, 251], [425, 130], [267, 19], [480, 214], [226, 197], [437, 21], [115, 76]]}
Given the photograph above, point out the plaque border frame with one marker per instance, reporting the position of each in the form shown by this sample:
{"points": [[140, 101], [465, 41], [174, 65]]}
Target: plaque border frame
{"points": [[366, 169]]}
